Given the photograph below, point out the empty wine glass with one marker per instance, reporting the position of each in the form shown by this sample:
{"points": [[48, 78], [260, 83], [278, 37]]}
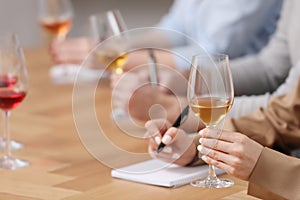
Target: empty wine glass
{"points": [[210, 95], [12, 93]]}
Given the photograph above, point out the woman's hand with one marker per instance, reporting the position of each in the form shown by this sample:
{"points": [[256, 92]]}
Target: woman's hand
{"points": [[179, 148], [70, 51], [232, 152]]}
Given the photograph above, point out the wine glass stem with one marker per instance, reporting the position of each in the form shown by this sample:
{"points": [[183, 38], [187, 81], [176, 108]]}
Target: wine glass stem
{"points": [[7, 151], [60, 37], [212, 174]]}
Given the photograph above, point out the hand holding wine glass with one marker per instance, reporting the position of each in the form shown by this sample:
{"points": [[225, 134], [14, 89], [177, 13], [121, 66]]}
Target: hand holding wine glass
{"points": [[210, 95], [12, 93]]}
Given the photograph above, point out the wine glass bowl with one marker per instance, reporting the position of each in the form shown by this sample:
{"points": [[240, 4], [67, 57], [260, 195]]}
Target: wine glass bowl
{"points": [[55, 16], [210, 94], [14, 86], [112, 53]]}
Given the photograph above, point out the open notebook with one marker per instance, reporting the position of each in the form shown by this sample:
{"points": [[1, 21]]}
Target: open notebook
{"points": [[156, 172]]}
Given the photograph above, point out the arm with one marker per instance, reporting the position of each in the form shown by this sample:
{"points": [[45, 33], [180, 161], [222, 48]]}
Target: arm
{"points": [[271, 175], [283, 179], [276, 126], [264, 72], [254, 102], [232, 27]]}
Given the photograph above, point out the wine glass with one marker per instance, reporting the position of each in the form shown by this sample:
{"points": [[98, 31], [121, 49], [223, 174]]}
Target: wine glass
{"points": [[5, 39], [210, 95], [110, 25], [110, 54], [12, 66], [55, 16]]}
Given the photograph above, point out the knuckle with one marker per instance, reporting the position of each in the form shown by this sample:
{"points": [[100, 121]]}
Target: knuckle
{"points": [[243, 139], [232, 171], [216, 144], [216, 163], [237, 151], [236, 162], [214, 154]]}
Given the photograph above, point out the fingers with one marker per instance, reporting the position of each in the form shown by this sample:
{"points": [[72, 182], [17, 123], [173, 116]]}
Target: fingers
{"points": [[157, 132], [169, 136], [216, 155], [226, 142], [156, 127], [220, 135], [70, 50], [219, 164], [216, 144]]}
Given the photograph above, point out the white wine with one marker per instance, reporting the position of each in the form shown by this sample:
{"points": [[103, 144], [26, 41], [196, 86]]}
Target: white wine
{"points": [[210, 109], [113, 59]]}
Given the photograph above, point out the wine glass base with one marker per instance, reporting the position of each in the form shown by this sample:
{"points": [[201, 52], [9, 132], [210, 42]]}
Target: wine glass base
{"points": [[214, 183], [12, 163], [14, 145]]}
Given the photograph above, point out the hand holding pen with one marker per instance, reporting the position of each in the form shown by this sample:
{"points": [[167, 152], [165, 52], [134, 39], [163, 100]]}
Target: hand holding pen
{"points": [[183, 115], [177, 144]]}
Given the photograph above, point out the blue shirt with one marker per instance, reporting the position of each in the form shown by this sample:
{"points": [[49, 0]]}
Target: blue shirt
{"points": [[234, 27]]}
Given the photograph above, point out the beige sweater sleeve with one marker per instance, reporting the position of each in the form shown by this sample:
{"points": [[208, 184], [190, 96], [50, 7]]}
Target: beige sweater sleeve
{"points": [[275, 176], [277, 126]]}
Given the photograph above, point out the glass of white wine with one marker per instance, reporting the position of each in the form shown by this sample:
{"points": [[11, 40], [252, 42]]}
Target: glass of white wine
{"points": [[210, 95], [108, 34], [112, 54]]}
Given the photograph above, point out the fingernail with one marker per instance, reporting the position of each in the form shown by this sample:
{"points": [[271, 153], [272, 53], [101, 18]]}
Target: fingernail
{"points": [[166, 139], [176, 156], [157, 140], [201, 140], [168, 150], [201, 132], [199, 148], [204, 157]]}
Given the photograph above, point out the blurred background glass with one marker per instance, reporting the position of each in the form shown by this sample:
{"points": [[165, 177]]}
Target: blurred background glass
{"points": [[26, 25]]}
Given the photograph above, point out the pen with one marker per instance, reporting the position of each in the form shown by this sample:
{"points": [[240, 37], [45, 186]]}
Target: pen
{"points": [[176, 124], [153, 69]]}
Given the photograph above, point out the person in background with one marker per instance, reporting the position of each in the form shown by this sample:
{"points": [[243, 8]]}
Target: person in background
{"points": [[257, 78], [235, 27], [243, 147]]}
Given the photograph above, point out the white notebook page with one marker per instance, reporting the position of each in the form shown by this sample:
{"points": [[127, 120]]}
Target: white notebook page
{"points": [[156, 172]]}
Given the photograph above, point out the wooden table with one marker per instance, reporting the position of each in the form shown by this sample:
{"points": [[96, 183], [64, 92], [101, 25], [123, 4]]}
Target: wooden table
{"points": [[61, 167]]}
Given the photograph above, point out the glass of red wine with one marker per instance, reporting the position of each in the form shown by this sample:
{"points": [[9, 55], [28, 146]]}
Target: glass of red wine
{"points": [[4, 82], [14, 86]]}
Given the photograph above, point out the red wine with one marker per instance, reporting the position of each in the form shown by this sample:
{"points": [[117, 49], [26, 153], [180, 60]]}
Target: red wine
{"points": [[7, 81], [10, 99]]}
